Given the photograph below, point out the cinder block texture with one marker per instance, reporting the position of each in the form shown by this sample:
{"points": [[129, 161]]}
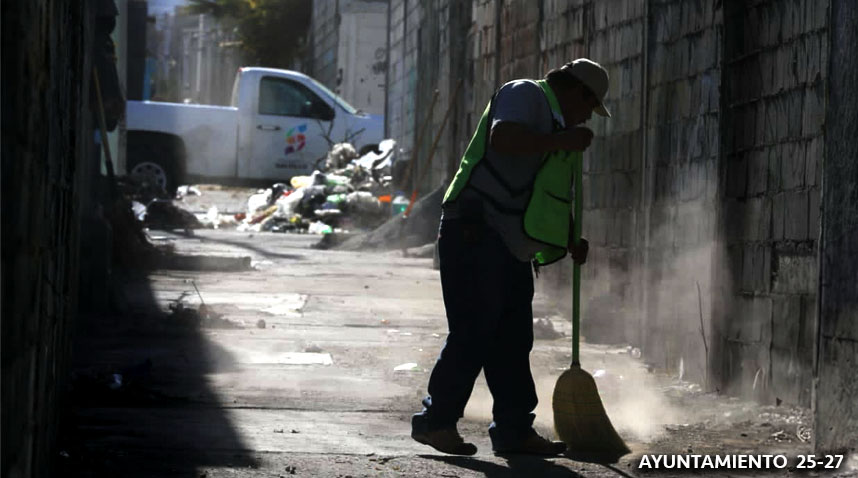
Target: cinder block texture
{"points": [[836, 410], [45, 86]]}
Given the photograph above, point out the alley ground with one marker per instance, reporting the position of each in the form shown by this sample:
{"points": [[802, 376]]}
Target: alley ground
{"points": [[227, 396]]}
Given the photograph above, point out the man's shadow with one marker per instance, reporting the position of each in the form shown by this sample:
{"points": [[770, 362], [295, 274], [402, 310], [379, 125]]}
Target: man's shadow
{"points": [[517, 466]]}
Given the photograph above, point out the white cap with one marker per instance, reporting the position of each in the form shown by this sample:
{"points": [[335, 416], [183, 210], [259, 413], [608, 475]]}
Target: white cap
{"points": [[593, 76]]}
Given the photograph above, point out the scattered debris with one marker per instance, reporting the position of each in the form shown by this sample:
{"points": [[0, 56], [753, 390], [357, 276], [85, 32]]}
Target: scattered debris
{"points": [[314, 349], [305, 358], [202, 317], [804, 433], [423, 252], [780, 436], [164, 214], [417, 230], [543, 329], [319, 227], [187, 190], [382, 459], [407, 367], [346, 192], [340, 155]]}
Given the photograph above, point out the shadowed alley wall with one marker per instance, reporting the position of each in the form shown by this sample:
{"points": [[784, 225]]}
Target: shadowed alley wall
{"points": [[45, 130], [707, 176], [835, 413]]}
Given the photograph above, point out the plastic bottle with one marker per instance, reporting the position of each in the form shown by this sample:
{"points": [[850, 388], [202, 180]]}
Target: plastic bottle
{"points": [[399, 204]]}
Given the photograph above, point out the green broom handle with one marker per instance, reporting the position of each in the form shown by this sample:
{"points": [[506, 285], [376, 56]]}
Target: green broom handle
{"points": [[577, 169]]}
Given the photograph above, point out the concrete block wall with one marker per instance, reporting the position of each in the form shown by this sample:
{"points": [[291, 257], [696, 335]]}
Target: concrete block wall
{"points": [[676, 236], [775, 53], [432, 76], [325, 38], [611, 33], [405, 21], [46, 132], [836, 383]]}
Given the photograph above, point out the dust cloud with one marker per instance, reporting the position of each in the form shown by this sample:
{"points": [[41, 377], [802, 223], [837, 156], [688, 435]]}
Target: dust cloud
{"points": [[632, 396]]}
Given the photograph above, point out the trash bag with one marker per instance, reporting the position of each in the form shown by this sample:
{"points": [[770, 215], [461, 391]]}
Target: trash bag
{"points": [[258, 201], [288, 205], [313, 198], [340, 155], [363, 202]]}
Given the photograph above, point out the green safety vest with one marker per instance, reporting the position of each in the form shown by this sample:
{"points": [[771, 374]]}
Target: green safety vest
{"points": [[546, 217]]}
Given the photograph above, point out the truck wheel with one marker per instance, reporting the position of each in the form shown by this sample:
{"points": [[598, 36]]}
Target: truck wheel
{"points": [[157, 163]]}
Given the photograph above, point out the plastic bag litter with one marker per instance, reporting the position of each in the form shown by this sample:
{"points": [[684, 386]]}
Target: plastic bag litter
{"points": [[139, 210], [313, 198], [226, 221], [407, 367], [258, 200], [288, 205], [380, 160], [340, 155], [183, 191], [319, 227], [212, 216]]}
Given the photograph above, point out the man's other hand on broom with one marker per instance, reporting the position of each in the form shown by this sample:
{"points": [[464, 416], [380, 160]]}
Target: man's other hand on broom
{"points": [[579, 252]]}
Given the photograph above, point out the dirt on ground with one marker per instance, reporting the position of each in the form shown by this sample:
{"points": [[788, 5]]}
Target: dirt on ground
{"points": [[310, 363]]}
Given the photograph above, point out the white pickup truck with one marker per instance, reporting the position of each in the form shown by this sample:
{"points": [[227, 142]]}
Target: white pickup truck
{"points": [[280, 124]]}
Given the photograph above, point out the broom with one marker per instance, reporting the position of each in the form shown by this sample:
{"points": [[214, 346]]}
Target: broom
{"points": [[579, 416]]}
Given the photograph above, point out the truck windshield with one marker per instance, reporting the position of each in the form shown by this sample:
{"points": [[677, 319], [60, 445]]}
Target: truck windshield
{"points": [[349, 108]]}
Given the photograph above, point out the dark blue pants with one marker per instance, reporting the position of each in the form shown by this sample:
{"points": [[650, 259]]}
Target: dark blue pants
{"points": [[488, 295]]}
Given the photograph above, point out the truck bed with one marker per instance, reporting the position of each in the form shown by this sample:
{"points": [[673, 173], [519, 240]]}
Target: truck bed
{"points": [[210, 132]]}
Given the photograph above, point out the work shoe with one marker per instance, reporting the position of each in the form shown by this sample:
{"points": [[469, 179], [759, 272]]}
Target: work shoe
{"points": [[445, 440], [531, 444]]}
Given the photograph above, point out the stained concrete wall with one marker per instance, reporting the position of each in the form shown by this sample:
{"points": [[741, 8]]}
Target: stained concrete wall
{"points": [[774, 79], [46, 130], [325, 40], [403, 58], [836, 384]]}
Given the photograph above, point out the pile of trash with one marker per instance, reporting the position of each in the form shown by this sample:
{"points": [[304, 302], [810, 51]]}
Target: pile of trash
{"points": [[350, 192]]}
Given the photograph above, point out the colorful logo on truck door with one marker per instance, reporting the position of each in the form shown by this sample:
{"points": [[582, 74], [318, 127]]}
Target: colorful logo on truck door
{"points": [[295, 139]]}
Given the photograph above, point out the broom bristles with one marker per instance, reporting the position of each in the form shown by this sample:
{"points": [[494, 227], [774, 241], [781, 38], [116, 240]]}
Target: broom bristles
{"points": [[580, 419]]}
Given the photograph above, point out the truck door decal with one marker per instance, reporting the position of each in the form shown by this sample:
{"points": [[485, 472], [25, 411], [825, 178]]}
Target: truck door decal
{"points": [[295, 139]]}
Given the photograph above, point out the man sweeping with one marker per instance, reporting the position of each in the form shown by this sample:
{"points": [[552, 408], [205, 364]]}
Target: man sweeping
{"points": [[508, 209]]}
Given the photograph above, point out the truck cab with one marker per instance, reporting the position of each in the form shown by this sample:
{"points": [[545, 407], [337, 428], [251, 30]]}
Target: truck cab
{"points": [[279, 124]]}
